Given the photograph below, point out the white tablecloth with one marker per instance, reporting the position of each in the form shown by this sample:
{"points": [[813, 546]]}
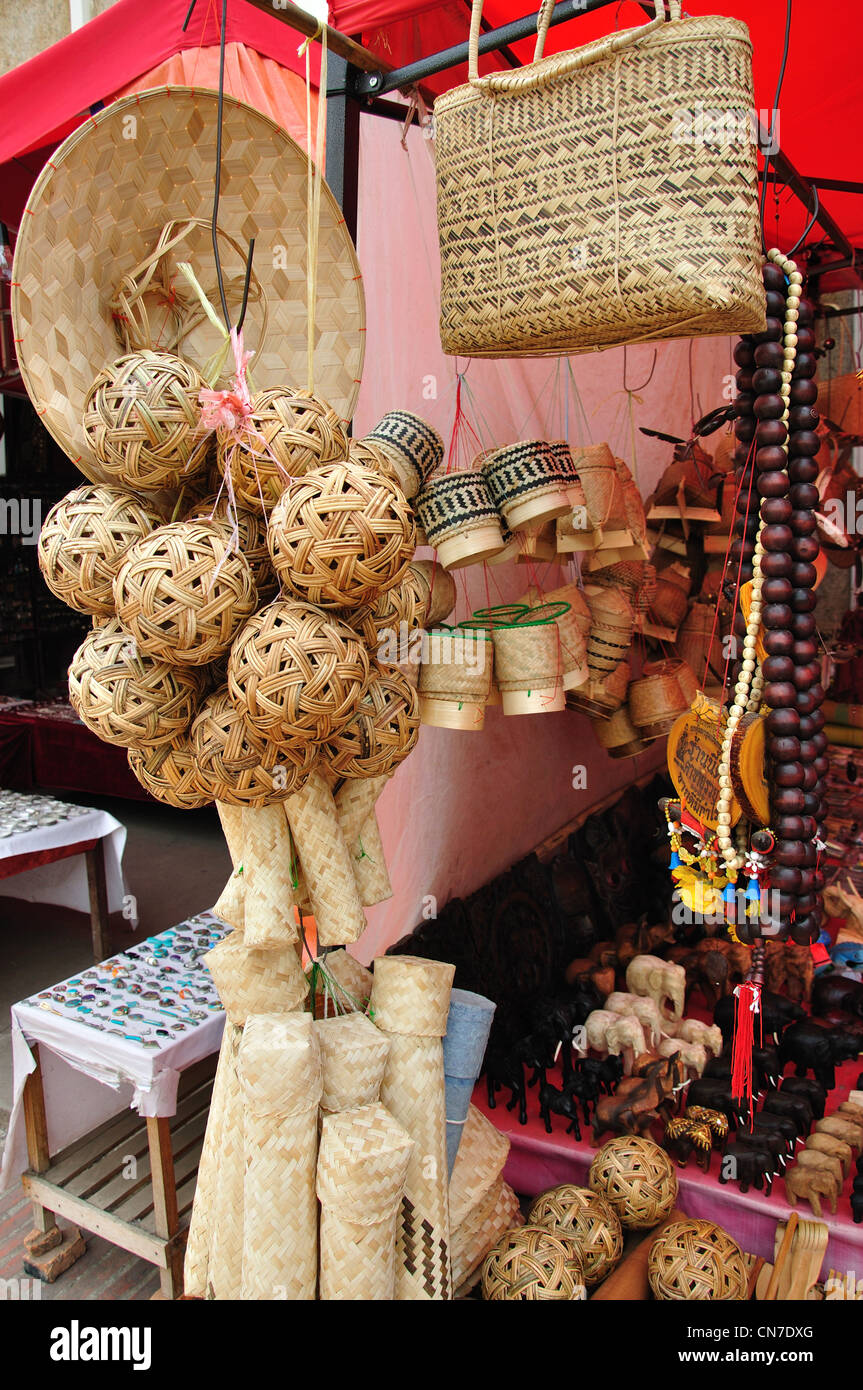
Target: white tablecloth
{"points": [[65, 882], [89, 1076]]}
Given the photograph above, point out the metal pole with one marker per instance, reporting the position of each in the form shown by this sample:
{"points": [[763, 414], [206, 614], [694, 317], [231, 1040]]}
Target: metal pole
{"points": [[343, 140]]}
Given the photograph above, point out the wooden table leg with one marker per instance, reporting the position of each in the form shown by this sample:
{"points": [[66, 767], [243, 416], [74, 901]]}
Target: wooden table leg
{"points": [[165, 1200], [46, 1233], [98, 887]]}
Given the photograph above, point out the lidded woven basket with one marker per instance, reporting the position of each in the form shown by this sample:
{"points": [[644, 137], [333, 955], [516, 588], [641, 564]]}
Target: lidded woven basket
{"points": [[697, 1260], [83, 541], [657, 698], [699, 643], [637, 1178], [126, 697], [170, 774], [530, 481], [528, 664], [435, 590], [297, 673], [455, 678], [414, 446], [590, 1219], [613, 622], [534, 1264], [341, 536], [289, 432], [618, 735], [573, 626], [459, 517], [603, 494], [182, 592], [670, 601], [236, 764], [353, 1060], [381, 733]]}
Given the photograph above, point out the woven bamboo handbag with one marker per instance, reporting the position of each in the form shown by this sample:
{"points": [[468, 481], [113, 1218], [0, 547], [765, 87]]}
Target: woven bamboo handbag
{"points": [[580, 204]]}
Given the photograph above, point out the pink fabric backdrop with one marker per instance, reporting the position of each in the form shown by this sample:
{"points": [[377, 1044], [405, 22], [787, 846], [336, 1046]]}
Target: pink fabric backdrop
{"points": [[465, 806]]}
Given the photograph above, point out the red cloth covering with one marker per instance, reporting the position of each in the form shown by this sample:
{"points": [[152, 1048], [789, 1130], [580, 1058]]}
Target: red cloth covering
{"points": [[39, 751], [20, 863]]}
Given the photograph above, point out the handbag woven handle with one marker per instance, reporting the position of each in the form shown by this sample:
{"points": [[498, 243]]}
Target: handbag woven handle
{"points": [[522, 79]]}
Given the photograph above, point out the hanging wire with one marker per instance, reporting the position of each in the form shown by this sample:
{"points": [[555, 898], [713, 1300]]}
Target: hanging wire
{"points": [[811, 223], [771, 128]]}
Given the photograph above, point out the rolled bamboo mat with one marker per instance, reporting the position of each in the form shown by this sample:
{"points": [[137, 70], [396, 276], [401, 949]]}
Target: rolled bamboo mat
{"points": [[497, 1212], [225, 1221], [326, 862], [349, 987], [280, 1072], [233, 827], [355, 804], [468, 1026], [480, 1161], [269, 895], [362, 1167], [197, 1258], [231, 902], [255, 982], [628, 1283], [353, 1061], [410, 1003]]}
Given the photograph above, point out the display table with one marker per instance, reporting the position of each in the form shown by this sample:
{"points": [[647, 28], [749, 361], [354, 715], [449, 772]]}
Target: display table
{"points": [[54, 852], [132, 1032], [538, 1161], [47, 745]]}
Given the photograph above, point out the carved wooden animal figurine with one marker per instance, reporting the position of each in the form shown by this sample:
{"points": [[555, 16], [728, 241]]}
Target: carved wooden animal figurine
{"points": [[692, 1030], [789, 970], [849, 1133], [553, 1101], [615, 1033], [643, 1009], [847, 1108], [715, 1095], [814, 1158], [826, 1144], [766, 1067], [812, 1090], [776, 1014], [716, 1122], [639, 1100], [813, 1048], [796, 1108], [584, 1087], [857, 1200], [634, 938], [692, 1055], [747, 1165], [501, 1069], [777, 1127], [710, 972], [596, 1027], [811, 1184], [684, 1137], [659, 980], [837, 994], [607, 1071], [773, 1143]]}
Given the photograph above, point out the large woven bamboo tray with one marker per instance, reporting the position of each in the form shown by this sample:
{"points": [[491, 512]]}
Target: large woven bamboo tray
{"points": [[97, 210]]}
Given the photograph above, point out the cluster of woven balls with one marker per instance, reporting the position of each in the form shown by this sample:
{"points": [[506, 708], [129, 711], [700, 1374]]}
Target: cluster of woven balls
{"points": [[535, 1264], [637, 1178], [220, 687], [589, 1219]]}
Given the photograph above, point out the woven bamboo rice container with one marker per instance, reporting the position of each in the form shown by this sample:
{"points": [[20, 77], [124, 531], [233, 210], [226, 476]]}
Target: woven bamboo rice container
{"points": [[459, 517], [699, 643], [455, 681], [268, 884], [326, 863], [435, 590], [573, 627], [603, 494], [529, 482], [410, 1001], [253, 981], [601, 696], [528, 662], [220, 1214], [353, 1061], [280, 1070], [494, 1214], [414, 446], [611, 629], [198, 1245], [618, 735], [670, 602], [362, 1168], [343, 983], [656, 699], [355, 804]]}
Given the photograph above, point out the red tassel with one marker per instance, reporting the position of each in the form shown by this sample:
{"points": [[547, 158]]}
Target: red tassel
{"points": [[747, 1005]]}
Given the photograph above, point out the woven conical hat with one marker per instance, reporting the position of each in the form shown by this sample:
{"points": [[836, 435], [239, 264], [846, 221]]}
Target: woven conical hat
{"points": [[97, 210]]}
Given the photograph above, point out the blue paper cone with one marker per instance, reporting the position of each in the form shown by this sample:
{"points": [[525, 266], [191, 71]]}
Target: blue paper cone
{"points": [[468, 1027]]}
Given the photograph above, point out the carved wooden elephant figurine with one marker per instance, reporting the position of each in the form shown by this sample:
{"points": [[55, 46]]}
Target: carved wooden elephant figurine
{"points": [[747, 1165], [692, 1055], [660, 980], [826, 1144], [692, 1030], [814, 1158], [846, 1130], [596, 1026], [811, 1184], [625, 1036], [642, 1008]]}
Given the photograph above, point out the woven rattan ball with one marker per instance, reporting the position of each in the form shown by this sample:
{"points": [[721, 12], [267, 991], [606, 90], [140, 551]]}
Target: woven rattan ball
{"points": [[182, 592], [249, 531], [341, 536], [84, 539], [298, 673], [386, 628], [383, 731], [637, 1177], [236, 764], [141, 418], [697, 1260], [126, 697], [533, 1263], [590, 1219], [290, 433], [370, 453], [170, 774]]}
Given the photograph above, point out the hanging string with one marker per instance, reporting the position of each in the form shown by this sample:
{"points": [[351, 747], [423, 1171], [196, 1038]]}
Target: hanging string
{"points": [[314, 180]]}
